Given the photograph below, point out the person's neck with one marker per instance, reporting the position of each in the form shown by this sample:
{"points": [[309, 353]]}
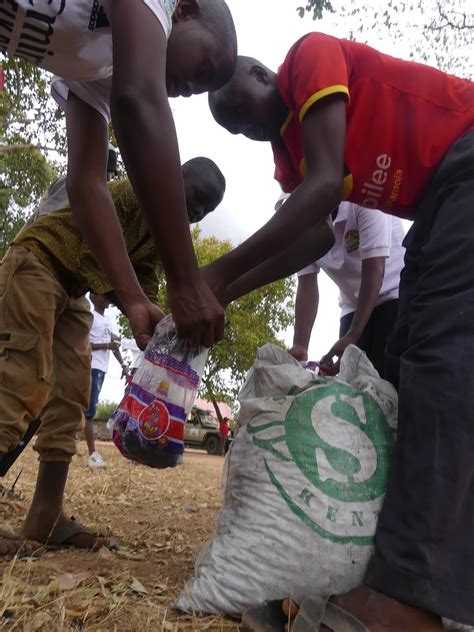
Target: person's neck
{"points": [[281, 111], [99, 311]]}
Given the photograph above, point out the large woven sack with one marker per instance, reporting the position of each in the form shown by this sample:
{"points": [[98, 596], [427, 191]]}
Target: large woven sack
{"points": [[304, 483]]}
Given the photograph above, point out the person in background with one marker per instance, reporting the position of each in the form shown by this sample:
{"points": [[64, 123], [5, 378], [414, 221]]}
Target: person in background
{"points": [[224, 432], [365, 264], [102, 341]]}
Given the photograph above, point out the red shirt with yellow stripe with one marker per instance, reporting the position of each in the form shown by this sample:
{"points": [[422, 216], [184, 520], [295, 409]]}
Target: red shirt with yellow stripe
{"points": [[402, 119]]}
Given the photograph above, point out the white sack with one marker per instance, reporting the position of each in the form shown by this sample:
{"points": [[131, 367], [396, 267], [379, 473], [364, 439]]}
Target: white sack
{"points": [[303, 485]]}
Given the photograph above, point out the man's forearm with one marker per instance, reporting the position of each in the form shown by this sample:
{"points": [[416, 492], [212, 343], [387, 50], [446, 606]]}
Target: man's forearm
{"points": [[306, 309], [94, 212], [323, 135], [156, 176], [306, 208], [100, 346], [312, 245], [118, 356], [373, 270], [146, 134], [90, 200]]}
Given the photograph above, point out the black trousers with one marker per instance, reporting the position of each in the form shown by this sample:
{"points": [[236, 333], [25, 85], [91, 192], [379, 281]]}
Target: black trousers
{"points": [[425, 536], [376, 333]]}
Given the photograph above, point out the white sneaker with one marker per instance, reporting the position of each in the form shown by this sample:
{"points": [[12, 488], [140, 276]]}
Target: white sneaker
{"points": [[96, 462], [110, 426]]}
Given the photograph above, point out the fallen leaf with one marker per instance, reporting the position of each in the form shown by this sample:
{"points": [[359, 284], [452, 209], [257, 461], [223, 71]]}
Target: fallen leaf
{"points": [[68, 581], [138, 587], [88, 593]]}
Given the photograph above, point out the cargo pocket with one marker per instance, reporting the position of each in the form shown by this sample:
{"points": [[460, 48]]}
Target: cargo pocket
{"points": [[5, 270], [22, 362]]}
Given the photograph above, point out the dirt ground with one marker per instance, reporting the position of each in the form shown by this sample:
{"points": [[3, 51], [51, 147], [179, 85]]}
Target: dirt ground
{"points": [[161, 518]]}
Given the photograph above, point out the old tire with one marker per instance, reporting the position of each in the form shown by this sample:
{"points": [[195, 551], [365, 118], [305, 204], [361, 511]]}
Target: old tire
{"points": [[213, 445]]}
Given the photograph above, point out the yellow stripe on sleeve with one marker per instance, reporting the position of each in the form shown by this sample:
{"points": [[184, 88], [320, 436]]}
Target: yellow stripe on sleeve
{"points": [[320, 95], [286, 123], [347, 186], [303, 168]]}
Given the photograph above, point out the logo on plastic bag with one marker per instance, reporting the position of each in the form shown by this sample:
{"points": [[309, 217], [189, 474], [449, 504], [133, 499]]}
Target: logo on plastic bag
{"points": [[339, 440], [154, 421]]}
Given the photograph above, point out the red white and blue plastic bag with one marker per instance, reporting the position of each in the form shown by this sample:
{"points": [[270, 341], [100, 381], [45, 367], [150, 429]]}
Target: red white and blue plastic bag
{"points": [[149, 421]]}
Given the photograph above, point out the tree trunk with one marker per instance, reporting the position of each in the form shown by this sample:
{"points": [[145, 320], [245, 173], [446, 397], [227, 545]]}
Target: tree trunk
{"points": [[216, 407], [210, 396]]}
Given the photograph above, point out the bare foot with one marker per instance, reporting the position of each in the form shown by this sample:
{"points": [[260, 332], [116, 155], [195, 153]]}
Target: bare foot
{"points": [[379, 612]]}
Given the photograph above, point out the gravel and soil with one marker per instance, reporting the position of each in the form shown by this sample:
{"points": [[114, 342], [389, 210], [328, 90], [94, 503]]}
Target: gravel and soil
{"points": [[161, 518]]}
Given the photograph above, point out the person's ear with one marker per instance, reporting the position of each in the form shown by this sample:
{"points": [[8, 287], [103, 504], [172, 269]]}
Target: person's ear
{"points": [[260, 74], [186, 10]]}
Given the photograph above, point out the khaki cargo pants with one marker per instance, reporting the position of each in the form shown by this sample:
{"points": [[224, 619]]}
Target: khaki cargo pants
{"points": [[44, 357]]}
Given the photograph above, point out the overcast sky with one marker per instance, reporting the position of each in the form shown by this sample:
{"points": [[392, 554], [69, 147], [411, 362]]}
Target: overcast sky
{"points": [[266, 30]]}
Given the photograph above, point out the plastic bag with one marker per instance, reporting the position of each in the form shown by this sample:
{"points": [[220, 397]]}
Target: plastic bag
{"points": [[148, 425]]}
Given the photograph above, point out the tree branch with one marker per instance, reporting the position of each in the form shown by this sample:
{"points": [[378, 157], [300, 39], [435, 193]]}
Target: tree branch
{"points": [[448, 21], [4, 148]]}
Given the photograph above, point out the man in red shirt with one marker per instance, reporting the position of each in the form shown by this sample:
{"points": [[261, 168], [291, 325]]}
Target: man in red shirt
{"points": [[347, 122], [224, 432]]}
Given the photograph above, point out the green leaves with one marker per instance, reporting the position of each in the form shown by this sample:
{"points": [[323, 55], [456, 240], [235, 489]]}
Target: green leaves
{"points": [[317, 7], [32, 144]]}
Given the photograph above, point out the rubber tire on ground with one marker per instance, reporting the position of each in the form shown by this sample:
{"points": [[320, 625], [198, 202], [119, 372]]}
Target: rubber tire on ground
{"points": [[212, 445]]}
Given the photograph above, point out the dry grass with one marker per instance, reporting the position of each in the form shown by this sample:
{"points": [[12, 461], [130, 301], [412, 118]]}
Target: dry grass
{"points": [[161, 519]]}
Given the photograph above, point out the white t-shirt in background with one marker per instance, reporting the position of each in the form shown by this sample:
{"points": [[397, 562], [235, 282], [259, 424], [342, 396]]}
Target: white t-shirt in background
{"points": [[362, 233], [100, 333], [71, 39]]}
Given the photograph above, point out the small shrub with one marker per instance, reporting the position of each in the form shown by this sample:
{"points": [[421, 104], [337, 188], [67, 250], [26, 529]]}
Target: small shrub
{"points": [[104, 410]]}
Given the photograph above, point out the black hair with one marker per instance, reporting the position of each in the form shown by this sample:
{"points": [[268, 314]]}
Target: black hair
{"points": [[208, 167], [220, 97], [217, 19]]}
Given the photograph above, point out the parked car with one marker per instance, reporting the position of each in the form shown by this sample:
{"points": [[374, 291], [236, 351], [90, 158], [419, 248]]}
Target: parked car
{"points": [[202, 431]]}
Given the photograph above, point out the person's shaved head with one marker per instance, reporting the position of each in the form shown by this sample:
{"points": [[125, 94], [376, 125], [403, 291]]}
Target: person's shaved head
{"points": [[202, 48], [250, 103], [204, 186]]}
